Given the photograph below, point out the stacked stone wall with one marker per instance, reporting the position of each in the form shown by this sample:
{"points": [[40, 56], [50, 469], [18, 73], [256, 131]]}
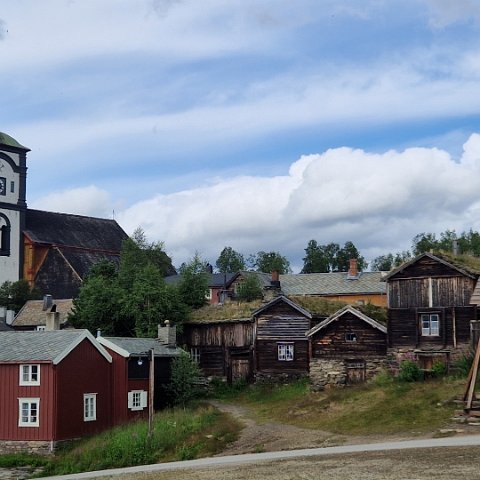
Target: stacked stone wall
{"points": [[325, 373], [17, 446]]}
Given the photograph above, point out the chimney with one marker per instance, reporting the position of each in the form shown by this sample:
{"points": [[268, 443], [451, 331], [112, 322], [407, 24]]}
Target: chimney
{"points": [[47, 302], [353, 268], [167, 335], [275, 281], [53, 321], [455, 247]]}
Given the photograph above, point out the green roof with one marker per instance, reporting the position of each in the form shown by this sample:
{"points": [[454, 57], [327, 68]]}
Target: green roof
{"points": [[9, 141]]}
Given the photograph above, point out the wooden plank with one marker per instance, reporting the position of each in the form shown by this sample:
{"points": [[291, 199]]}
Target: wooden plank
{"points": [[473, 378]]}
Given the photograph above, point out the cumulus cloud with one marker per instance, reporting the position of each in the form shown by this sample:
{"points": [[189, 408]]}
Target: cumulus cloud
{"points": [[90, 200], [378, 201]]}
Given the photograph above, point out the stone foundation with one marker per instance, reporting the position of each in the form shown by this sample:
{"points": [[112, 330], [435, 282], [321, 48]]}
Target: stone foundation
{"points": [[278, 377], [326, 373], [18, 446], [448, 355]]}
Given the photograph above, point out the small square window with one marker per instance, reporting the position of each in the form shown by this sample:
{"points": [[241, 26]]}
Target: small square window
{"points": [[12, 187], [89, 407], [351, 337], [29, 375], [285, 352], [28, 412]]}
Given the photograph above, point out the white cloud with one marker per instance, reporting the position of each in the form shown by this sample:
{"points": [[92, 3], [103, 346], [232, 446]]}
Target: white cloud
{"points": [[90, 201], [446, 12], [378, 201]]}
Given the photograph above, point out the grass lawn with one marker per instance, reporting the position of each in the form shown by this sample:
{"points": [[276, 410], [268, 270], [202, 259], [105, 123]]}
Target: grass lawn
{"points": [[385, 406]]}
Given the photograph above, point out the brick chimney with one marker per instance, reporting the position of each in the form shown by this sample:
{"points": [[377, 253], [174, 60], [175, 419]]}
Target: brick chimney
{"points": [[275, 281], [353, 268]]}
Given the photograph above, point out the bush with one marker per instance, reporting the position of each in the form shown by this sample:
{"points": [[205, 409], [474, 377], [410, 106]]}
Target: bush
{"points": [[409, 371], [463, 365], [184, 382], [439, 369]]}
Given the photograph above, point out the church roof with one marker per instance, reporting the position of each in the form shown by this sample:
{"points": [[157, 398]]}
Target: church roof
{"points": [[66, 230], [8, 141]]}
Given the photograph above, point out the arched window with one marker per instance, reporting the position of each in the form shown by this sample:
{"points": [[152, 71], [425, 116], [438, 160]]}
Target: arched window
{"points": [[4, 236]]}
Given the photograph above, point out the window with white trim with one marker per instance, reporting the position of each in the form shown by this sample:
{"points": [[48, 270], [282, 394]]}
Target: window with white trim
{"points": [[137, 399], [195, 354], [29, 375], [208, 294], [41, 328], [430, 324], [28, 412], [285, 352], [89, 407]]}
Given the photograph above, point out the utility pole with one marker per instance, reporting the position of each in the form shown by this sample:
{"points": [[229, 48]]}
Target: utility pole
{"points": [[151, 390]]}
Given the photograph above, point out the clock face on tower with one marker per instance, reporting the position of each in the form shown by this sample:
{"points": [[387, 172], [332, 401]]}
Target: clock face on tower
{"points": [[3, 186]]}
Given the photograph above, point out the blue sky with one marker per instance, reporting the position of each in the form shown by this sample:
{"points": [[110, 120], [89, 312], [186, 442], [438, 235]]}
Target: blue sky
{"points": [[257, 124]]}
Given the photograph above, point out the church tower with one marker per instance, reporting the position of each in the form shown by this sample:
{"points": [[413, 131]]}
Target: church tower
{"points": [[13, 207]]}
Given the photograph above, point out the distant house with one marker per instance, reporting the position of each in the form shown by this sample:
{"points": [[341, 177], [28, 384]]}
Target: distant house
{"points": [[352, 287], [348, 347], [33, 315], [131, 365], [431, 307], [56, 386]]}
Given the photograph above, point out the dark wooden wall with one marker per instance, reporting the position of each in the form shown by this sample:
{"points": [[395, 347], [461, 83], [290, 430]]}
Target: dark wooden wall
{"points": [[267, 357], [330, 341], [404, 326]]}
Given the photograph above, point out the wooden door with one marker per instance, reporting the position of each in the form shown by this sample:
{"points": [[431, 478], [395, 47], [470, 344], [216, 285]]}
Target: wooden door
{"points": [[355, 371], [240, 369]]}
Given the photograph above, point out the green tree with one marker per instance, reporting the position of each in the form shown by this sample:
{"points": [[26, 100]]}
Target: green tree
{"points": [[268, 262], [250, 289], [315, 260], [345, 254], [99, 304], [183, 384], [230, 261], [14, 295], [193, 286], [423, 243], [152, 301]]}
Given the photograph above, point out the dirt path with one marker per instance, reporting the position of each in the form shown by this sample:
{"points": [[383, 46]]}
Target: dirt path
{"points": [[269, 437], [273, 436]]}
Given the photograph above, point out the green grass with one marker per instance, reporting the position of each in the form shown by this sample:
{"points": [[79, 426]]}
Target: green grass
{"points": [[177, 435], [383, 407], [22, 460]]}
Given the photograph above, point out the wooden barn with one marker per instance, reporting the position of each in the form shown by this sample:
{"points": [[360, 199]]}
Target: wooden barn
{"points": [[346, 348], [48, 392], [281, 347], [429, 308], [221, 347], [131, 364]]}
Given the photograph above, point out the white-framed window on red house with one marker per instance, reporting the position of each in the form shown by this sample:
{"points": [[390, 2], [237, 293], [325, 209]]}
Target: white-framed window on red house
{"points": [[285, 352], [29, 375], [89, 407], [137, 400], [28, 412]]}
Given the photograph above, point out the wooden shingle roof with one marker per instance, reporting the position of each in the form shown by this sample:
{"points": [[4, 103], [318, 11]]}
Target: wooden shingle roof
{"points": [[32, 313]]}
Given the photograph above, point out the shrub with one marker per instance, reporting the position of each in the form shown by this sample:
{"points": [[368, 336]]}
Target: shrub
{"points": [[463, 365], [409, 371], [184, 382], [439, 369]]}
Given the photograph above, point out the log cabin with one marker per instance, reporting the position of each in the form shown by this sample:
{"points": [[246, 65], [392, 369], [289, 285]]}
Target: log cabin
{"points": [[429, 308], [346, 348]]}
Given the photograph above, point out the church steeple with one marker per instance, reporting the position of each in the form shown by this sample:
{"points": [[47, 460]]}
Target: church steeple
{"points": [[13, 205]]}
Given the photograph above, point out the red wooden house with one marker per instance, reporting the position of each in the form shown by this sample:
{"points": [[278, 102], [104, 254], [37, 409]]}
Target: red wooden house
{"points": [[55, 386], [131, 372]]}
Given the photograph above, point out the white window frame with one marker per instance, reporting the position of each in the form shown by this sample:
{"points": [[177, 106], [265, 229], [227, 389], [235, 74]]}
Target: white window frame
{"points": [[195, 355], [29, 374], [41, 328], [430, 324], [32, 417], [89, 407], [285, 352], [208, 294], [137, 400]]}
